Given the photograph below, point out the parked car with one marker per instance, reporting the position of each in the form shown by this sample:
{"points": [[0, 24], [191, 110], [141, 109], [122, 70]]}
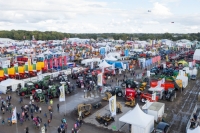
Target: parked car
{"points": [[162, 127]]}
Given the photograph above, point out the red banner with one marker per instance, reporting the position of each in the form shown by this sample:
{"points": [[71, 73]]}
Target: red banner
{"points": [[50, 63], [60, 61], [45, 64], [55, 62], [65, 60]]}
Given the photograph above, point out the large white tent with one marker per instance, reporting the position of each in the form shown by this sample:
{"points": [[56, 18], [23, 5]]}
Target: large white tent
{"points": [[196, 130], [104, 64], [196, 55], [141, 122], [13, 83]]}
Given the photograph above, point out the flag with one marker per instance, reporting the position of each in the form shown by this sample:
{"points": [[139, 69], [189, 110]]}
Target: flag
{"points": [[112, 105], [14, 116], [163, 81], [100, 79], [62, 93], [60, 61], [55, 62], [92, 65], [51, 63]]}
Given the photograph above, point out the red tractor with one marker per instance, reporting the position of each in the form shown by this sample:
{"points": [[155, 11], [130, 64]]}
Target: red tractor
{"points": [[130, 93], [146, 96]]}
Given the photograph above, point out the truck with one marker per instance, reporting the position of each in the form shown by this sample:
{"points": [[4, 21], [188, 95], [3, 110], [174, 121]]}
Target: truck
{"points": [[164, 94], [177, 84]]}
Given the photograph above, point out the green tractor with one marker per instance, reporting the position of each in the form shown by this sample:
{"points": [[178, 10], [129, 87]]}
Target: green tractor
{"points": [[28, 90], [53, 92], [39, 96], [43, 84]]}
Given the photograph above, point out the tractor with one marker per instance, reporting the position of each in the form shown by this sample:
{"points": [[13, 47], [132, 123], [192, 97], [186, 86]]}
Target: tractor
{"points": [[68, 89], [84, 109], [106, 119], [129, 83], [43, 84], [39, 96], [28, 90], [107, 97], [53, 92], [118, 107]]}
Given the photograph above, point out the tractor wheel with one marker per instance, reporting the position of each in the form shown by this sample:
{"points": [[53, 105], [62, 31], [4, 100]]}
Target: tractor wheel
{"points": [[105, 123], [119, 94], [143, 100]]}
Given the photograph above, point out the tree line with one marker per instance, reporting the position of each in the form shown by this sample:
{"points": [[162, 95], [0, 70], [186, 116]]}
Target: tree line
{"points": [[53, 35]]}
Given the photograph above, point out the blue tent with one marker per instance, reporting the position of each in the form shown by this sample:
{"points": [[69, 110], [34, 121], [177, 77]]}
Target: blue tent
{"points": [[102, 51]]}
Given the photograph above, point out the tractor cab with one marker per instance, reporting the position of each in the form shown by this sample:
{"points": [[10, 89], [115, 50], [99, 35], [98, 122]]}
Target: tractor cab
{"points": [[28, 90], [130, 83], [170, 94], [39, 96], [117, 90], [53, 92]]}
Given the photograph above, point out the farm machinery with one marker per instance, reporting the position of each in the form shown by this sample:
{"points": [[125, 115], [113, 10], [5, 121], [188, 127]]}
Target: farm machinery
{"points": [[130, 103], [43, 84], [53, 92], [129, 83], [118, 107], [106, 119], [147, 97], [28, 90], [39, 96], [108, 96], [84, 109]]}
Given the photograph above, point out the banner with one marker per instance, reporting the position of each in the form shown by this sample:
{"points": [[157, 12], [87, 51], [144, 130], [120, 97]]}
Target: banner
{"points": [[55, 60], [11, 71], [45, 64], [29, 61], [14, 116], [30, 68], [34, 66], [26, 67], [65, 60], [60, 61], [112, 105], [1, 73], [92, 65], [16, 68], [100, 79], [62, 93], [20, 69], [50, 63]]}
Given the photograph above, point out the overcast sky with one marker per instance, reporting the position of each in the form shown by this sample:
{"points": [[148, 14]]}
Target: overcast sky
{"points": [[101, 16]]}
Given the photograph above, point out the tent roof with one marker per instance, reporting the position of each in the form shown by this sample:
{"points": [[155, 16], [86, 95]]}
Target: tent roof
{"points": [[156, 106], [196, 55], [110, 58], [104, 64], [10, 82], [196, 130], [137, 117]]}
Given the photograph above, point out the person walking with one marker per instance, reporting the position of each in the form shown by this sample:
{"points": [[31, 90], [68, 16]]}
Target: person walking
{"points": [[40, 109], [58, 106], [51, 115], [27, 130], [49, 121], [51, 102]]}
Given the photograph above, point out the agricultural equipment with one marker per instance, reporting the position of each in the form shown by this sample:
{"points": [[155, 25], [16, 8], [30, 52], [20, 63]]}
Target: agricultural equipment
{"points": [[84, 109], [117, 90], [39, 96], [53, 92], [97, 105], [108, 96], [80, 82], [129, 83], [169, 94], [106, 119], [142, 86], [28, 90], [146, 96], [43, 84], [130, 94], [130, 103], [155, 70], [68, 89], [118, 107]]}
